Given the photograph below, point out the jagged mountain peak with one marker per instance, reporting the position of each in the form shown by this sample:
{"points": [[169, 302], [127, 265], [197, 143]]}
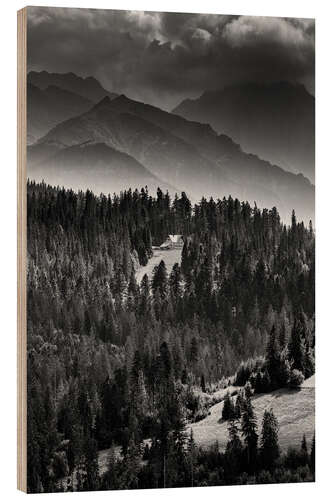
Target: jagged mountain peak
{"points": [[103, 102], [273, 120]]}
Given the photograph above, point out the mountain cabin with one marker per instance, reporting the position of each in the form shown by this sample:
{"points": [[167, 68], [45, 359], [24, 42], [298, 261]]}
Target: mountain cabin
{"points": [[173, 241]]}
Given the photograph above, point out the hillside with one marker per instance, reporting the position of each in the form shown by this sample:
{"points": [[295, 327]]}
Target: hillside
{"points": [[165, 155], [190, 156], [294, 410], [117, 351], [92, 166], [275, 121], [50, 106]]}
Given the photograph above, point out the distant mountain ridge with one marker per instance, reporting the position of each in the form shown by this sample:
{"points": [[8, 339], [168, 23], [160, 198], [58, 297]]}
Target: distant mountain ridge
{"points": [[161, 152], [275, 121], [94, 166], [88, 87], [178, 152], [50, 106], [54, 97]]}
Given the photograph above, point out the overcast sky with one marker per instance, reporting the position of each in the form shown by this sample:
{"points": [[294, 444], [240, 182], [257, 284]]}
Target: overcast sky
{"points": [[162, 58]]}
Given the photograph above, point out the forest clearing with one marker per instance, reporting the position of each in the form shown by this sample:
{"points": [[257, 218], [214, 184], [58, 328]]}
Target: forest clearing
{"points": [[293, 408], [170, 257]]}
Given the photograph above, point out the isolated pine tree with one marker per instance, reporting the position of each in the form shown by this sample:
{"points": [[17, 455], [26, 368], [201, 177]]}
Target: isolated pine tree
{"points": [[249, 433], [228, 409], [297, 346], [203, 383], [269, 442]]}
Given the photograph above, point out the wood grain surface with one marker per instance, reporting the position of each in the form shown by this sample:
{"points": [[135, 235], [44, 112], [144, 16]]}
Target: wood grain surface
{"points": [[21, 250]]}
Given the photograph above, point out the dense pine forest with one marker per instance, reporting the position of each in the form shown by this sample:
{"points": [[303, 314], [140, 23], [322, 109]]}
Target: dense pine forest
{"points": [[117, 364]]}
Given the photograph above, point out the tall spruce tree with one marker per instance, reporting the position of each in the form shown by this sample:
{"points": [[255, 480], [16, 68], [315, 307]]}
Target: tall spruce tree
{"points": [[249, 433], [234, 451], [269, 442], [273, 358], [297, 346], [159, 281], [228, 409]]}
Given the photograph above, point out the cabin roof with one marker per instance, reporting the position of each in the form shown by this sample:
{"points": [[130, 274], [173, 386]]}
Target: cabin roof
{"points": [[172, 239]]}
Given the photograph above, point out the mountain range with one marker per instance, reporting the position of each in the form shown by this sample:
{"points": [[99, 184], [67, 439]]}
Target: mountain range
{"points": [[119, 143], [275, 121], [50, 106], [53, 98]]}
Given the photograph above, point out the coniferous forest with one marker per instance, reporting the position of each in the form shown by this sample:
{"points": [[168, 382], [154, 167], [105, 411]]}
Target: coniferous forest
{"points": [[125, 366]]}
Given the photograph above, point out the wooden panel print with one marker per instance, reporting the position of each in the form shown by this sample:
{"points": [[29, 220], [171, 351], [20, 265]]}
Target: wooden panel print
{"points": [[166, 249]]}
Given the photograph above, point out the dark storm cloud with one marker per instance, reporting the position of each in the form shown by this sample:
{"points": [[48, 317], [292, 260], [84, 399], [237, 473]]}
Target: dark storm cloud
{"points": [[163, 57]]}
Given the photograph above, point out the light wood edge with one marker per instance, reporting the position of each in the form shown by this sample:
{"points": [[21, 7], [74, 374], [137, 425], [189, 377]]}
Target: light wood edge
{"points": [[21, 250]]}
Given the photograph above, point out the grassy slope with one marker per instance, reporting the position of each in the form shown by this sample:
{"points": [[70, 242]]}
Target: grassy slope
{"points": [[294, 409], [170, 257]]}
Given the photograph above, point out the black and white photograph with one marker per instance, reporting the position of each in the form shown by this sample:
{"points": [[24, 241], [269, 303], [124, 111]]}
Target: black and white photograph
{"points": [[170, 256]]}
